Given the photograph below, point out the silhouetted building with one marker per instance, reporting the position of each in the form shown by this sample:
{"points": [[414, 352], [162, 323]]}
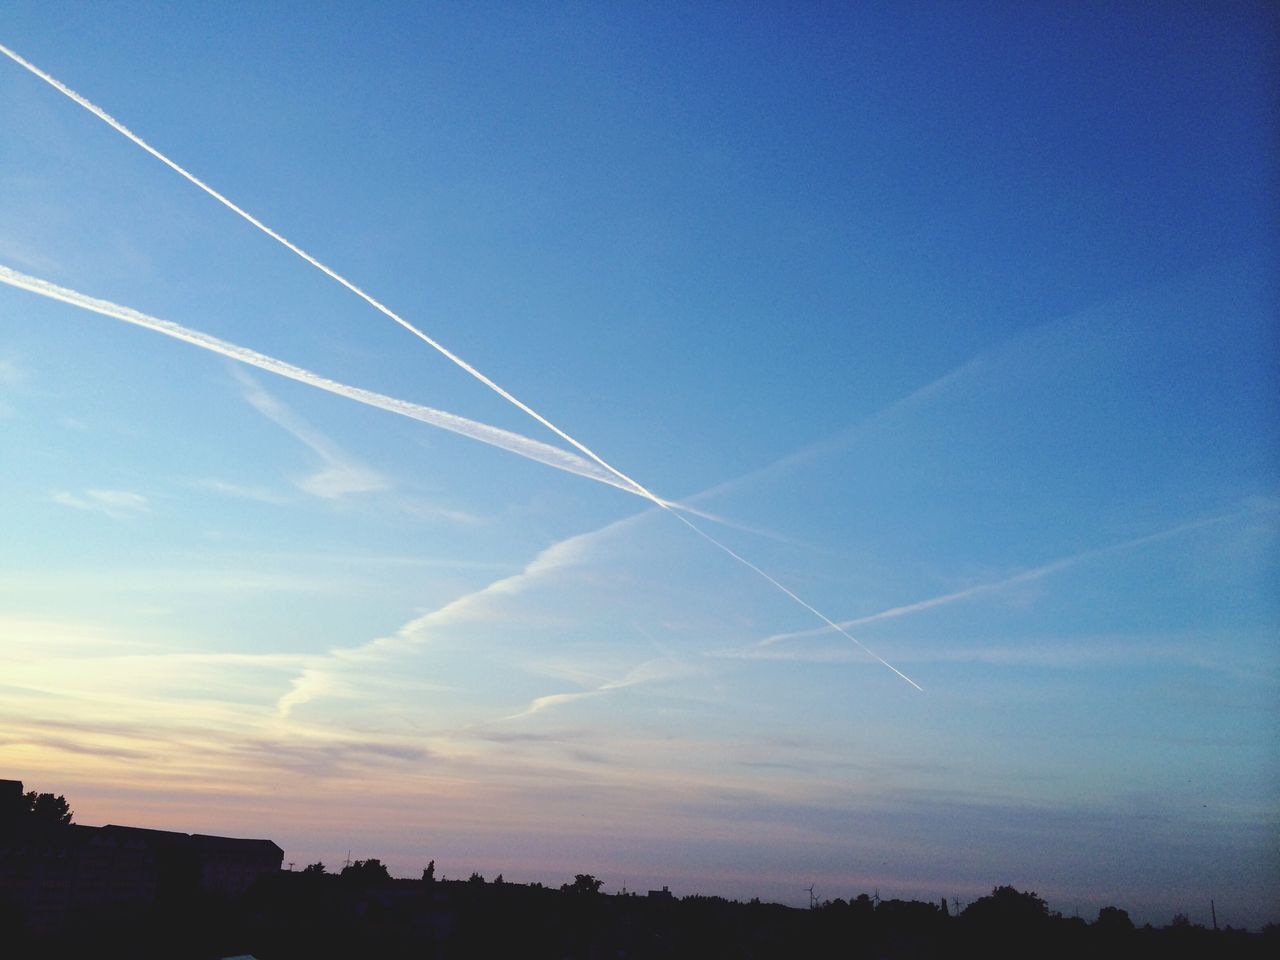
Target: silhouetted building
{"points": [[49, 871]]}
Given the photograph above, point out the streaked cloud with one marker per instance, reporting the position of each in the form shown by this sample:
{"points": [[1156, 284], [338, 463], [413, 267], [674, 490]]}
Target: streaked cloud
{"points": [[650, 672], [241, 491], [117, 504], [340, 475], [322, 672]]}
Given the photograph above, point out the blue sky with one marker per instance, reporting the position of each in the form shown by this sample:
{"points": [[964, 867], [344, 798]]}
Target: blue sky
{"points": [[962, 320]]}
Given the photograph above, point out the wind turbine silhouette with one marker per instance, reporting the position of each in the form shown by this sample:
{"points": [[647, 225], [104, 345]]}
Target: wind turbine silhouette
{"points": [[813, 901]]}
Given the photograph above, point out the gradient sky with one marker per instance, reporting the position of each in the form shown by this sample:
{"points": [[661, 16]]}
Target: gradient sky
{"points": [[961, 316]]}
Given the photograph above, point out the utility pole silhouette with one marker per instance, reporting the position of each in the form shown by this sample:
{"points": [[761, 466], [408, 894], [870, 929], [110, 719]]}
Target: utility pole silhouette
{"points": [[1214, 911]]}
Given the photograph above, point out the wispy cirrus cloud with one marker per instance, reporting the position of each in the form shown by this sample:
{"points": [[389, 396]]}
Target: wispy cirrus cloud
{"points": [[117, 504], [312, 682], [966, 374], [427, 510], [240, 491], [340, 475], [323, 672], [20, 250], [653, 671], [247, 577]]}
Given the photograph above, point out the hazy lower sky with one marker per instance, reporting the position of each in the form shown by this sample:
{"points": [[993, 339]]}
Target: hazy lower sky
{"points": [[961, 318]]}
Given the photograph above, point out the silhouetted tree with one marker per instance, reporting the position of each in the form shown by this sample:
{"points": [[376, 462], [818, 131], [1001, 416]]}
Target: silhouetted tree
{"points": [[429, 874], [583, 883], [1113, 918], [475, 878], [317, 868], [366, 871], [862, 907], [907, 913], [48, 809], [1007, 907]]}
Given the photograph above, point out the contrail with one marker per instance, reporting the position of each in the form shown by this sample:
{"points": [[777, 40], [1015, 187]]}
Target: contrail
{"points": [[812, 609], [516, 443], [1025, 576], [627, 482], [526, 447], [333, 274]]}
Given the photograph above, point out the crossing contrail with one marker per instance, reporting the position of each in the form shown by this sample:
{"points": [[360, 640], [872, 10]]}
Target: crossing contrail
{"points": [[328, 271], [812, 609], [515, 443], [1025, 576], [627, 482]]}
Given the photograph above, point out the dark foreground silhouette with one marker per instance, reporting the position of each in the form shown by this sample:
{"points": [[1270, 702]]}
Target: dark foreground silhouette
{"points": [[207, 897]]}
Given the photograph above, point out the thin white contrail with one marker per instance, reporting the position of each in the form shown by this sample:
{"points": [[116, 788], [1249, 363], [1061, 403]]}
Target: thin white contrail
{"points": [[516, 443], [527, 447], [812, 609], [333, 274], [630, 483], [1025, 576]]}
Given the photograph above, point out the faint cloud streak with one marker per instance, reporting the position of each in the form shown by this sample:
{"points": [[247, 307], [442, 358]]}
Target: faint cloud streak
{"points": [[1025, 576], [340, 476], [117, 504]]}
